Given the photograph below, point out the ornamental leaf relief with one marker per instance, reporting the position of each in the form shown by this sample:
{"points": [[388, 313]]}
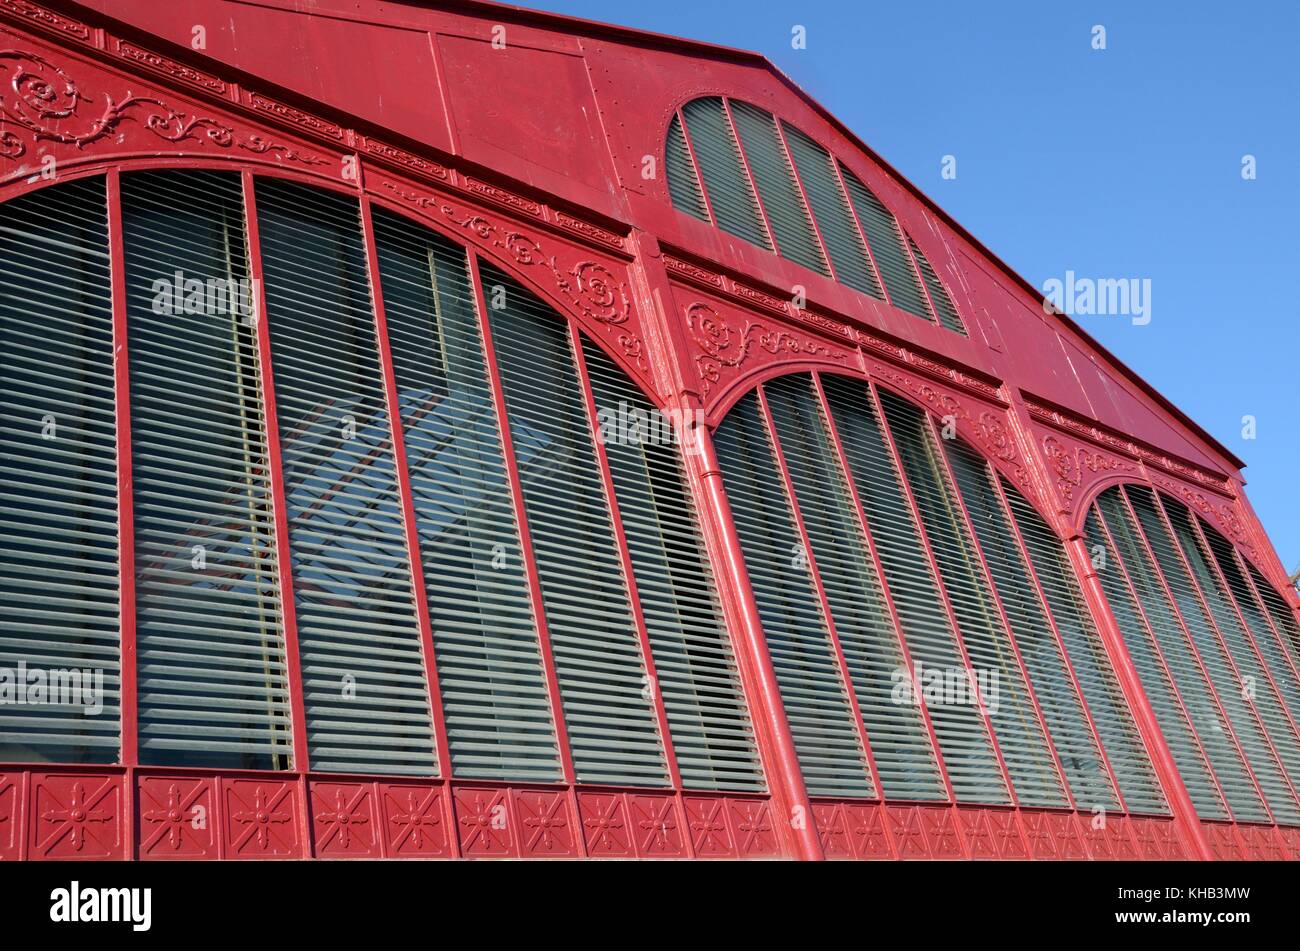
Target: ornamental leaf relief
{"points": [[725, 347]]}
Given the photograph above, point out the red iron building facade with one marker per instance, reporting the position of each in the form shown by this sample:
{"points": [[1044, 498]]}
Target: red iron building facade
{"points": [[398, 563]]}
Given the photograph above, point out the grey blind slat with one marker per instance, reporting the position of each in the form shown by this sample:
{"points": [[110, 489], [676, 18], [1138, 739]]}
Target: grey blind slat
{"points": [[1057, 698], [1015, 725], [711, 732], [812, 692], [777, 188], [730, 194], [367, 702], [212, 682], [1175, 724], [963, 738], [900, 742], [495, 700], [608, 713], [947, 313], [831, 210], [1245, 718], [683, 184], [1087, 656], [1192, 687], [886, 240], [58, 474]]}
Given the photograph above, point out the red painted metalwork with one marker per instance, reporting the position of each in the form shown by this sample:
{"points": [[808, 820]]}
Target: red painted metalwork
{"points": [[569, 215]]}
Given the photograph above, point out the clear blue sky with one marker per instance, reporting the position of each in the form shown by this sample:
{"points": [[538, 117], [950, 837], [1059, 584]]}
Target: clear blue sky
{"points": [[1117, 163]]}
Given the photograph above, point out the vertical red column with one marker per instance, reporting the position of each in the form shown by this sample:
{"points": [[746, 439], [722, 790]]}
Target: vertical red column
{"points": [[129, 752], [279, 507], [1162, 760], [790, 801]]}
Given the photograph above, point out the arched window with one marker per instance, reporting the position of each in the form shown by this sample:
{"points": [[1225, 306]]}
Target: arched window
{"points": [[538, 596], [1214, 645], [761, 179], [892, 569]]}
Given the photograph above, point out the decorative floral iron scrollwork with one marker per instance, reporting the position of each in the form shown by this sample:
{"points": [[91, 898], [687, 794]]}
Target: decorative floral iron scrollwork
{"points": [[723, 348], [46, 104]]}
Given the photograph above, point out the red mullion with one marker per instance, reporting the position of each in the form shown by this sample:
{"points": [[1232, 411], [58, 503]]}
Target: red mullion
{"points": [[937, 441], [803, 195], [745, 629], [1243, 566], [852, 488], [933, 562], [1160, 656], [279, 505], [860, 727], [749, 175], [521, 518], [1196, 654], [1056, 634], [129, 752], [862, 232], [406, 496], [1223, 644], [1177, 798], [624, 555], [695, 164]]}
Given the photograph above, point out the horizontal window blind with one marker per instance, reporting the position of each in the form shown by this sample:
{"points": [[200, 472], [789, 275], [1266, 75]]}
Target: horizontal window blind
{"points": [[964, 741], [697, 678], [606, 692], [886, 240], [777, 188], [494, 692], [1264, 628], [1211, 728], [718, 155], [683, 183], [1015, 725], [947, 313], [1283, 615], [212, 680], [1225, 682], [58, 473], [1061, 706], [1087, 657], [896, 731], [831, 210], [812, 692], [367, 707]]}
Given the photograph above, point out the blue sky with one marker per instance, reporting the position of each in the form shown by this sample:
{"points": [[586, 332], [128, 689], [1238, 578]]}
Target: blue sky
{"points": [[1117, 163]]}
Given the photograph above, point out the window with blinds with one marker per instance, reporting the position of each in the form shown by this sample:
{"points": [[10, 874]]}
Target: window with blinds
{"points": [[212, 686], [722, 171], [366, 697], [712, 737], [812, 689], [58, 473], [494, 692], [964, 741], [607, 694], [777, 187], [814, 207], [1017, 728], [1212, 730]]}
